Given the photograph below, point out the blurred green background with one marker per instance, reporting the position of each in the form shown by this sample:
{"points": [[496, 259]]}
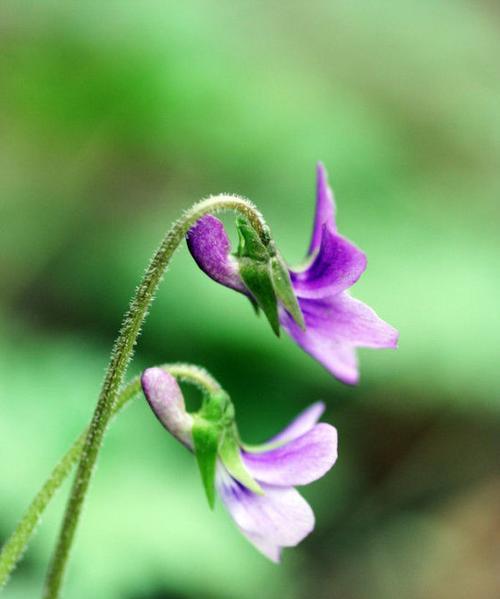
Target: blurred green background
{"points": [[116, 116]]}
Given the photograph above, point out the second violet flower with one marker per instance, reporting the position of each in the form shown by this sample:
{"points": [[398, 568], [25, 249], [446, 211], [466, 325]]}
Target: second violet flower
{"points": [[256, 484], [322, 317]]}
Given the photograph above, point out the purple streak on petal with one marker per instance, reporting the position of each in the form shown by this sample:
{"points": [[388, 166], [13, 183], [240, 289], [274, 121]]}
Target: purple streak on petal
{"points": [[335, 268], [300, 425], [210, 247], [334, 327], [298, 462], [279, 518], [167, 402], [325, 208]]}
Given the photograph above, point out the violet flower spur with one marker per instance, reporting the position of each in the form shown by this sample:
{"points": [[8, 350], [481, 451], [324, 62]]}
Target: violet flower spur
{"points": [[334, 323], [256, 484]]}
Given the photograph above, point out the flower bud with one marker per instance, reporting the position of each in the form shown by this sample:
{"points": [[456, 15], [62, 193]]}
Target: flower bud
{"points": [[167, 402]]}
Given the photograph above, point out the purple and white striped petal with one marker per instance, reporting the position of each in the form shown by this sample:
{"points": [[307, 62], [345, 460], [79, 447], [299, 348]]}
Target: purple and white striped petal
{"points": [[167, 402], [279, 518], [336, 267], [298, 462], [210, 247], [335, 326], [325, 209]]}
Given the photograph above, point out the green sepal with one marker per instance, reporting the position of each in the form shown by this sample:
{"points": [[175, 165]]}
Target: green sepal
{"points": [[284, 291], [206, 437], [266, 276], [254, 305], [217, 408], [250, 244], [215, 436], [230, 454], [215, 416], [254, 267], [257, 279]]}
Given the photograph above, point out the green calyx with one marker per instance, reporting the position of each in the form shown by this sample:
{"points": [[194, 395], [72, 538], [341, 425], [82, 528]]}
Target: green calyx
{"points": [[230, 455], [215, 435], [284, 291], [266, 276]]}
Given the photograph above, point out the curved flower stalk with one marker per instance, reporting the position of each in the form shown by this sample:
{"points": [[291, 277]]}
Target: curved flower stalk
{"points": [[13, 549], [328, 324], [256, 484], [311, 304], [121, 355]]}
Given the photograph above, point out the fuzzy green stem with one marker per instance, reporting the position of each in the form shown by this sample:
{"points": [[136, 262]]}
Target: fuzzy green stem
{"points": [[120, 357], [17, 543]]}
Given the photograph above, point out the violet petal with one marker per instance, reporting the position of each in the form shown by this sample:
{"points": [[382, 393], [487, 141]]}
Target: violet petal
{"points": [[336, 267], [335, 326], [210, 247], [325, 208], [298, 462], [301, 424]]}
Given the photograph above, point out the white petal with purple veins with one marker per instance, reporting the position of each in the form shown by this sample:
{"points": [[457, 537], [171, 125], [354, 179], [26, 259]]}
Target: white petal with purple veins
{"points": [[273, 552], [279, 518]]}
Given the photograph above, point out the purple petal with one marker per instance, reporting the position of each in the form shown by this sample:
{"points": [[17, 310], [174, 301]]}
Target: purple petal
{"points": [[300, 425], [210, 247], [167, 402], [325, 208], [335, 268], [279, 518], [298, 462], [335, 326]]}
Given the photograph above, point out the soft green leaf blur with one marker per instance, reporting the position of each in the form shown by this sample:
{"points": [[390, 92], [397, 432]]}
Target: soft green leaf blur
{"points": [[116, 116]]}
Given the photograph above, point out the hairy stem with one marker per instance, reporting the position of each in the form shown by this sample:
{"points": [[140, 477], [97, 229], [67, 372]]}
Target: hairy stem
{"points": [[17, 543], [120, 357]]}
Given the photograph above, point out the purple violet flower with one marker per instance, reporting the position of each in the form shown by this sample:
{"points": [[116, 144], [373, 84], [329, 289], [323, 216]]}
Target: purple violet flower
{"points": [[304, 451], [335, 323]]}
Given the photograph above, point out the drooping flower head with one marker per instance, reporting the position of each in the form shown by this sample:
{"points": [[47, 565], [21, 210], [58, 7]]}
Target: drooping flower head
{"points": [[256, 484], [312, 303]]}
